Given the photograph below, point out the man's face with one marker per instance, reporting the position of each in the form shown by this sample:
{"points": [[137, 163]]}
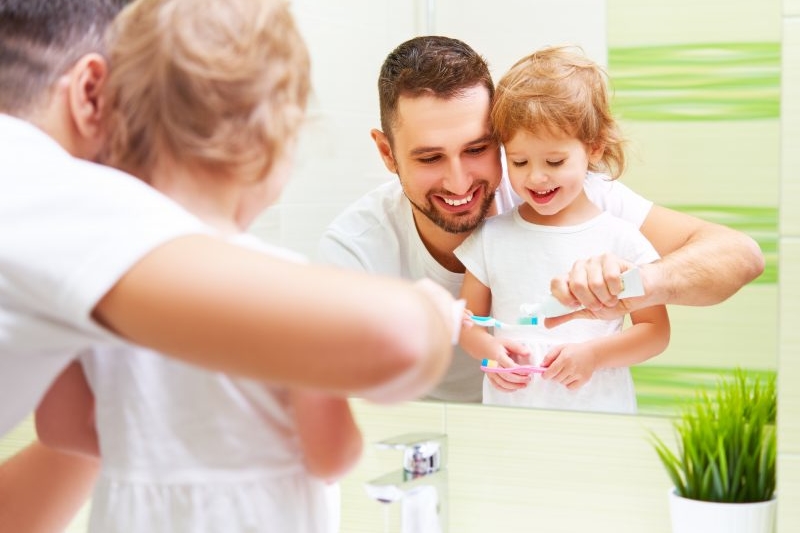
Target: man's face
{"points": [[447, 161]]}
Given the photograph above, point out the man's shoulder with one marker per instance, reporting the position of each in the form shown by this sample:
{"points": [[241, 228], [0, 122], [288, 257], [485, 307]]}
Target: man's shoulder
{"points": [[377, 212], [373, 234]]}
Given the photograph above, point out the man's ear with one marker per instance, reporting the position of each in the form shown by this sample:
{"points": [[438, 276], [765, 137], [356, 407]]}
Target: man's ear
{"points": [[87, 79], [384, 149]]}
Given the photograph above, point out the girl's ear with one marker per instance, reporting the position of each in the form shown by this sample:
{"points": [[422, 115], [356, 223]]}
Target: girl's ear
{"points": [[596, 152], [384, 149], [87, 79]]}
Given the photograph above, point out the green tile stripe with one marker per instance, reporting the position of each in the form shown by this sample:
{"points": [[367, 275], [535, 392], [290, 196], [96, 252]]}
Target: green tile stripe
{"points": [[664, 389], [690, 82]]}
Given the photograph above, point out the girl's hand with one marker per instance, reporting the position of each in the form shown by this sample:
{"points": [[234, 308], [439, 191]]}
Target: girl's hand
{"points": [[509, 354], [570, 364]]}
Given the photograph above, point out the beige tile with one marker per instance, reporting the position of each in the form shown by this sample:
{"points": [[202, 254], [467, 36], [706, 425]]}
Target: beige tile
{"points": [[633, 22], [791, 8], [790, 127], [513, 469], [788, 493], [789, 346], [741, 331]]}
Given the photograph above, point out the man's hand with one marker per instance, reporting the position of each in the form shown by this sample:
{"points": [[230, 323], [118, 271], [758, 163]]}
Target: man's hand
{"points": [[595, 284]]}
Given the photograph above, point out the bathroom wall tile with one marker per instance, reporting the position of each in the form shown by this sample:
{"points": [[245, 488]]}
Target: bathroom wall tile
{"points": [[514, 469], [791, 8], [682, 163], [788, 493], [17, 439], [360, 514], [741, 331], [790, 125], [348, 41], [526, 26], [789, 346], [632, 22], [336, 160]]}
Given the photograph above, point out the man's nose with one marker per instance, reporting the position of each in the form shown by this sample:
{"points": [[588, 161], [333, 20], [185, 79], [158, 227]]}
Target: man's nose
{"points": [[457, 179]]}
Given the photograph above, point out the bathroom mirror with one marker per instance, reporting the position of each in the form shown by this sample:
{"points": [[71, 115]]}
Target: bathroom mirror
{"points": [[699, 101]]}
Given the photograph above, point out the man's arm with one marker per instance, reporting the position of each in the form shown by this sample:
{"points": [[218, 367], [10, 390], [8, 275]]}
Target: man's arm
{"points": [[701, 264]]}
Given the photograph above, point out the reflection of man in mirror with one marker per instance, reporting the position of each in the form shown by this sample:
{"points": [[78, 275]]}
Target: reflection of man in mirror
{"points": [[435, 96]]}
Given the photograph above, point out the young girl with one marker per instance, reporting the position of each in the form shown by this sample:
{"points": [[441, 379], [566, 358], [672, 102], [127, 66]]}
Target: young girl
{"points": [[551, 113], [205, 100]]}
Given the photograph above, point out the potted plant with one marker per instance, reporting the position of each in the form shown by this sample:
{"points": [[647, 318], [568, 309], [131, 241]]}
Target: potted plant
{"points": [[724, 466]]}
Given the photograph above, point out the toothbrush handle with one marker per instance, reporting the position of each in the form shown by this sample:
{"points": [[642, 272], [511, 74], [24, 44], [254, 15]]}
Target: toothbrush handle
{"points": [[524, 370]]}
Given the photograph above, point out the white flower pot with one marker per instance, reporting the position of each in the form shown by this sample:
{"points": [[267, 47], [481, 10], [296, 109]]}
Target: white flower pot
{"points": [[695, 516]]}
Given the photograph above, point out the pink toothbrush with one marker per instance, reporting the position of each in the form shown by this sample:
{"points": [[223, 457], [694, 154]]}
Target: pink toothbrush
{"points": [[490, 365]]}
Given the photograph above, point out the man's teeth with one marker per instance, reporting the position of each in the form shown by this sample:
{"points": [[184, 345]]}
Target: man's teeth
{"points": [[454, 203]]}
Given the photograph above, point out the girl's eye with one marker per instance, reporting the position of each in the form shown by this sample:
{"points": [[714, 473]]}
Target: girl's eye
{"points": [[519, 164], [556, 163]]}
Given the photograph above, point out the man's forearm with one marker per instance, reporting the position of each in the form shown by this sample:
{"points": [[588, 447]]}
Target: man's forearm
{"points": [[709, 268]]}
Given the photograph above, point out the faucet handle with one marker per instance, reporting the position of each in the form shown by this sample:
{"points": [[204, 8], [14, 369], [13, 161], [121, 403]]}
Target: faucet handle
{"points": [[423, 453]]}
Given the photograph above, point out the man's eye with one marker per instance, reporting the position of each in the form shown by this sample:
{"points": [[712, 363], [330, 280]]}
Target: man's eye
{"points": [[430, 159], [475, 150]]}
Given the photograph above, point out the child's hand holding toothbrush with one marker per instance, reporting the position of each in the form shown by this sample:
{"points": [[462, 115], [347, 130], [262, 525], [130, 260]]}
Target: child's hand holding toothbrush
{"points": [[572, 365]]}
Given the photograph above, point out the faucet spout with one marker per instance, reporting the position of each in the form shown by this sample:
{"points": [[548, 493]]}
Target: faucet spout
{"points": [[393, 486], [420, 486]]}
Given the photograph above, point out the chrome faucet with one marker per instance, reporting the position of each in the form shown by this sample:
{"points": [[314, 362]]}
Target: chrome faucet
{"points": [[423, 477]]}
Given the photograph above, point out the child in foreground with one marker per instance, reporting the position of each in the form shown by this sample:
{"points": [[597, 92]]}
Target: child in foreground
{"points": [[206, 100]]}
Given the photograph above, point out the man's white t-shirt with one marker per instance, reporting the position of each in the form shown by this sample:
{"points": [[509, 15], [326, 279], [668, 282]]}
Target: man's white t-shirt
{"points": [[69, 229], [377, 234]]}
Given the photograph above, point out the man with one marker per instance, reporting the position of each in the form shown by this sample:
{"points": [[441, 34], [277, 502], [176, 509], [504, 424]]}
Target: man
{"points": [[435, 95], [89, 255]]}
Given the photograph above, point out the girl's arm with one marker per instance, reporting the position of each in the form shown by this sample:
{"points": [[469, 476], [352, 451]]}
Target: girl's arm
{"points": [[329, 437], [65, 416], [42, 489], [574, 364], [480, 344], [235, 310]]}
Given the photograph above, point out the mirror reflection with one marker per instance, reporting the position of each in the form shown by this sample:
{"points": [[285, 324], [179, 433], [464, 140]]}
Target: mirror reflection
{"points": [[698, 102]]}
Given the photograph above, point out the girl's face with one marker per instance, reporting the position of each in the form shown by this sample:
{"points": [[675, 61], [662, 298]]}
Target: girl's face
{"points": [[547, 171]]}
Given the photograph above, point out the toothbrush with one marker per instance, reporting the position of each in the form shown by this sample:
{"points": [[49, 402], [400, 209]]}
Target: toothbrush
{"points": [[487, 321], [490, 366], [533, 313]]}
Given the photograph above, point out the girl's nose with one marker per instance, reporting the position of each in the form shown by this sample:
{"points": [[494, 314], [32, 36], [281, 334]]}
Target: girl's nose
{"points": [[537, 176]]}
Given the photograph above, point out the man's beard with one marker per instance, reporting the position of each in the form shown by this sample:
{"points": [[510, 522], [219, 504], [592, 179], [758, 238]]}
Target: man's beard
{"points": [[455, 223]]}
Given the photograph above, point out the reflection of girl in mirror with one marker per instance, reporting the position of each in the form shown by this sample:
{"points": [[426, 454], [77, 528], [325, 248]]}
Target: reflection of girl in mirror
{"points": [[552, 115], [206, 100]]}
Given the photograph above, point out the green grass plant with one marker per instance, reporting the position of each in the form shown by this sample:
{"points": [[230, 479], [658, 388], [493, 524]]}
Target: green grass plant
{"points": [[726, 443]]}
